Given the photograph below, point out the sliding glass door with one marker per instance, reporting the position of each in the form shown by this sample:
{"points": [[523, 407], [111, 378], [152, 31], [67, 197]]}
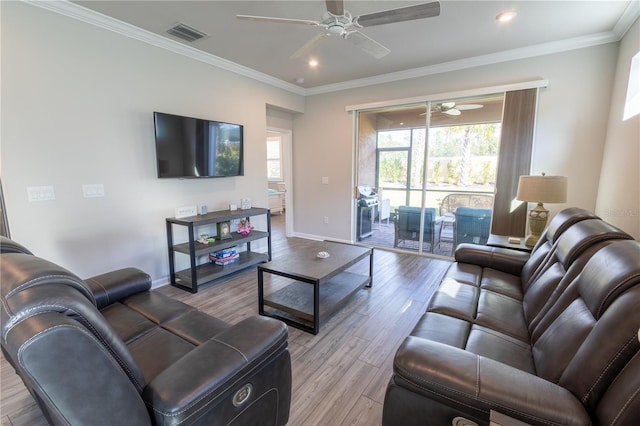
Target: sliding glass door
{"points": [[423, 162]]}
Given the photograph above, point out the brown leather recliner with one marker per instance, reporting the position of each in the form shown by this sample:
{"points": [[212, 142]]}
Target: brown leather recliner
{"points": [[109, 351], [546, 339]]}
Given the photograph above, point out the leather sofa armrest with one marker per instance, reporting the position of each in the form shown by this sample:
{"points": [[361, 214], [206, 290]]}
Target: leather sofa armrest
{"points": [[213, 371], [502, 259], [462, 379], [116, 285]]}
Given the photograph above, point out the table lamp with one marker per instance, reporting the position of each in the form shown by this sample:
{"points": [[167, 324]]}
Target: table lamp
{"points": [[540, 189]]}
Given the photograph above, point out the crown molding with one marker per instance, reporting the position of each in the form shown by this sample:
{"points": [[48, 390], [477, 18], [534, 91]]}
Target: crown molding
{"points": [[80, 13], [630, 15], [476, 61]]}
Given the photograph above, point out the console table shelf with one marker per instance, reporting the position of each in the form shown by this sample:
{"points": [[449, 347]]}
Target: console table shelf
{"points": [[202, 272], [236, 239], [208, 271]]}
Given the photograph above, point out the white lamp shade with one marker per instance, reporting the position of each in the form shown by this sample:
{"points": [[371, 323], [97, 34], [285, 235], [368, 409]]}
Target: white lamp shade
{"points": [[542, 189]]}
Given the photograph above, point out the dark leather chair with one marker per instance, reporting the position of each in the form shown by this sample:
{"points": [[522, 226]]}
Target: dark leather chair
{"points": [[545, 339], [407, 225], [109, 351]]}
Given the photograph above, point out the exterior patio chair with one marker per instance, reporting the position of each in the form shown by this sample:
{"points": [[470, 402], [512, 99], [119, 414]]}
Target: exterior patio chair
{"points": [[407, 225], [448, 206], [472, 225]]}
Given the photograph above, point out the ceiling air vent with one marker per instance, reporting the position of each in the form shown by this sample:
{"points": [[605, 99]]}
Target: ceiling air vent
{"points": [[186, 33]]}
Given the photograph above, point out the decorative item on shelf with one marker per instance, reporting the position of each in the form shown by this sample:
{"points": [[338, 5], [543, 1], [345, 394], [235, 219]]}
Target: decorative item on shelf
{"points": [[224, 230], [224, 257], [233, 207], [245, 203], [244, 226], [204, 239], [540, 189], [203, 210]]}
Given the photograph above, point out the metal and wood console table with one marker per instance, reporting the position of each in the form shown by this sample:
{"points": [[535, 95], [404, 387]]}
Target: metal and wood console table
{"points": [[201, 272]]}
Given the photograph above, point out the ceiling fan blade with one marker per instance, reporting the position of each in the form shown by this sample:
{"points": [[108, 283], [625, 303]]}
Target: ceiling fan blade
{"points": [[469, 106], [447, 105], [368, 44], [418, 11], [279, 20], [335, 7], [452, 111], [309, 45]]}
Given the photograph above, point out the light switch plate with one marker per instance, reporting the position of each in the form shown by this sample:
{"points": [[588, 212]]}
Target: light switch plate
{"points": [[186, 211], [40, 193], [93, 190]]}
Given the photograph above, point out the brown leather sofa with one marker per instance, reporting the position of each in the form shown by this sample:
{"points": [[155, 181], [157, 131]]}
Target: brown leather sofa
{"points": [[108, 351], [549, 338]]}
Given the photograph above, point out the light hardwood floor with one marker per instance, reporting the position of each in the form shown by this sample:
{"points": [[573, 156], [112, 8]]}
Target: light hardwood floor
{"points": [[339, 375]]}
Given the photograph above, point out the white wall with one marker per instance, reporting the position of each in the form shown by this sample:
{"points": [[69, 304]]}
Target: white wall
{"points": [[77, 105], [619, 193], [569, 140]]}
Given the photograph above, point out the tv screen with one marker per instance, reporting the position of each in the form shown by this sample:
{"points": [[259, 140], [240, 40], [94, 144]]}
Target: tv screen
{"points": [[194, 148]]}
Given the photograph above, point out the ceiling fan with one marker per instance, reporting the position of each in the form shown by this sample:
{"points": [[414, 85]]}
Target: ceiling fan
{"points": [[339, 21], [450, 108]]}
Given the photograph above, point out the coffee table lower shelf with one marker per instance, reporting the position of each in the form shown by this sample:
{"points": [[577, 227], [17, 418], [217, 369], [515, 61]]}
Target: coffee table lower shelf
{"points": [[296, 301]]}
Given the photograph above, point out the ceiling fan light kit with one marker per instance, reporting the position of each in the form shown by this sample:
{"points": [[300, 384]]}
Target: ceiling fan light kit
{"points": [[340, 22]]}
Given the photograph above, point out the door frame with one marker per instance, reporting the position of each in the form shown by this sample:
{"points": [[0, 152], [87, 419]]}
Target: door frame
{"points": [[287, 165]]}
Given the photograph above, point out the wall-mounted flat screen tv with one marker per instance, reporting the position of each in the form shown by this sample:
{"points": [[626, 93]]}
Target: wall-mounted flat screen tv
{"points": [[194, 148]]}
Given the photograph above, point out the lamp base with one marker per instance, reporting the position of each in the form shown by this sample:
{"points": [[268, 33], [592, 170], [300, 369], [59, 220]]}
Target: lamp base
{"points": [[537, 223]]}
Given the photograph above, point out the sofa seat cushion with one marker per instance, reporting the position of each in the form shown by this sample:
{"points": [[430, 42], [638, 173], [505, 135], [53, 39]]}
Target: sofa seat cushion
{"points": [[480, 340], [455, 299], [501, 282], [159, 330], [443, 329], [158, 350], [500, 347], [502, 313], [466, 273], [482, 296]]}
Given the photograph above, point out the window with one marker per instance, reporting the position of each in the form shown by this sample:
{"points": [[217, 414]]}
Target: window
{"points": [[274, 158], [632, 103]]}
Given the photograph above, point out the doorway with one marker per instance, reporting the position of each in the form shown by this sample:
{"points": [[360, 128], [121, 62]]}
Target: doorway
{"points": [[279, 179]]}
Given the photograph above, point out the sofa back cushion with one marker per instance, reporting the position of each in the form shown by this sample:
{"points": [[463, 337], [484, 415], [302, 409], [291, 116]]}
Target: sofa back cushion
{"points": [[10, 246], [563, 262], [32, 286], [590, 332], [543, 250]]}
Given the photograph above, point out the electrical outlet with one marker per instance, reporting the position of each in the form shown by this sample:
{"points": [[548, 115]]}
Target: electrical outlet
{"points": [[326, 219]]}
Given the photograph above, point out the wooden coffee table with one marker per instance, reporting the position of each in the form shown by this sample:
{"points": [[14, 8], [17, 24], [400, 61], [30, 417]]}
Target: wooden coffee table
{"points": [[318, 286]]}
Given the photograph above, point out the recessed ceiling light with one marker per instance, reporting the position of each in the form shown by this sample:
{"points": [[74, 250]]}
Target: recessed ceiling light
{"points": [[506, 16], [313, 63]]}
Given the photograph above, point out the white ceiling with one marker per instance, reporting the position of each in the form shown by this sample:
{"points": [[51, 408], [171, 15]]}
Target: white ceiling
{"points": [[465, 34]]}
